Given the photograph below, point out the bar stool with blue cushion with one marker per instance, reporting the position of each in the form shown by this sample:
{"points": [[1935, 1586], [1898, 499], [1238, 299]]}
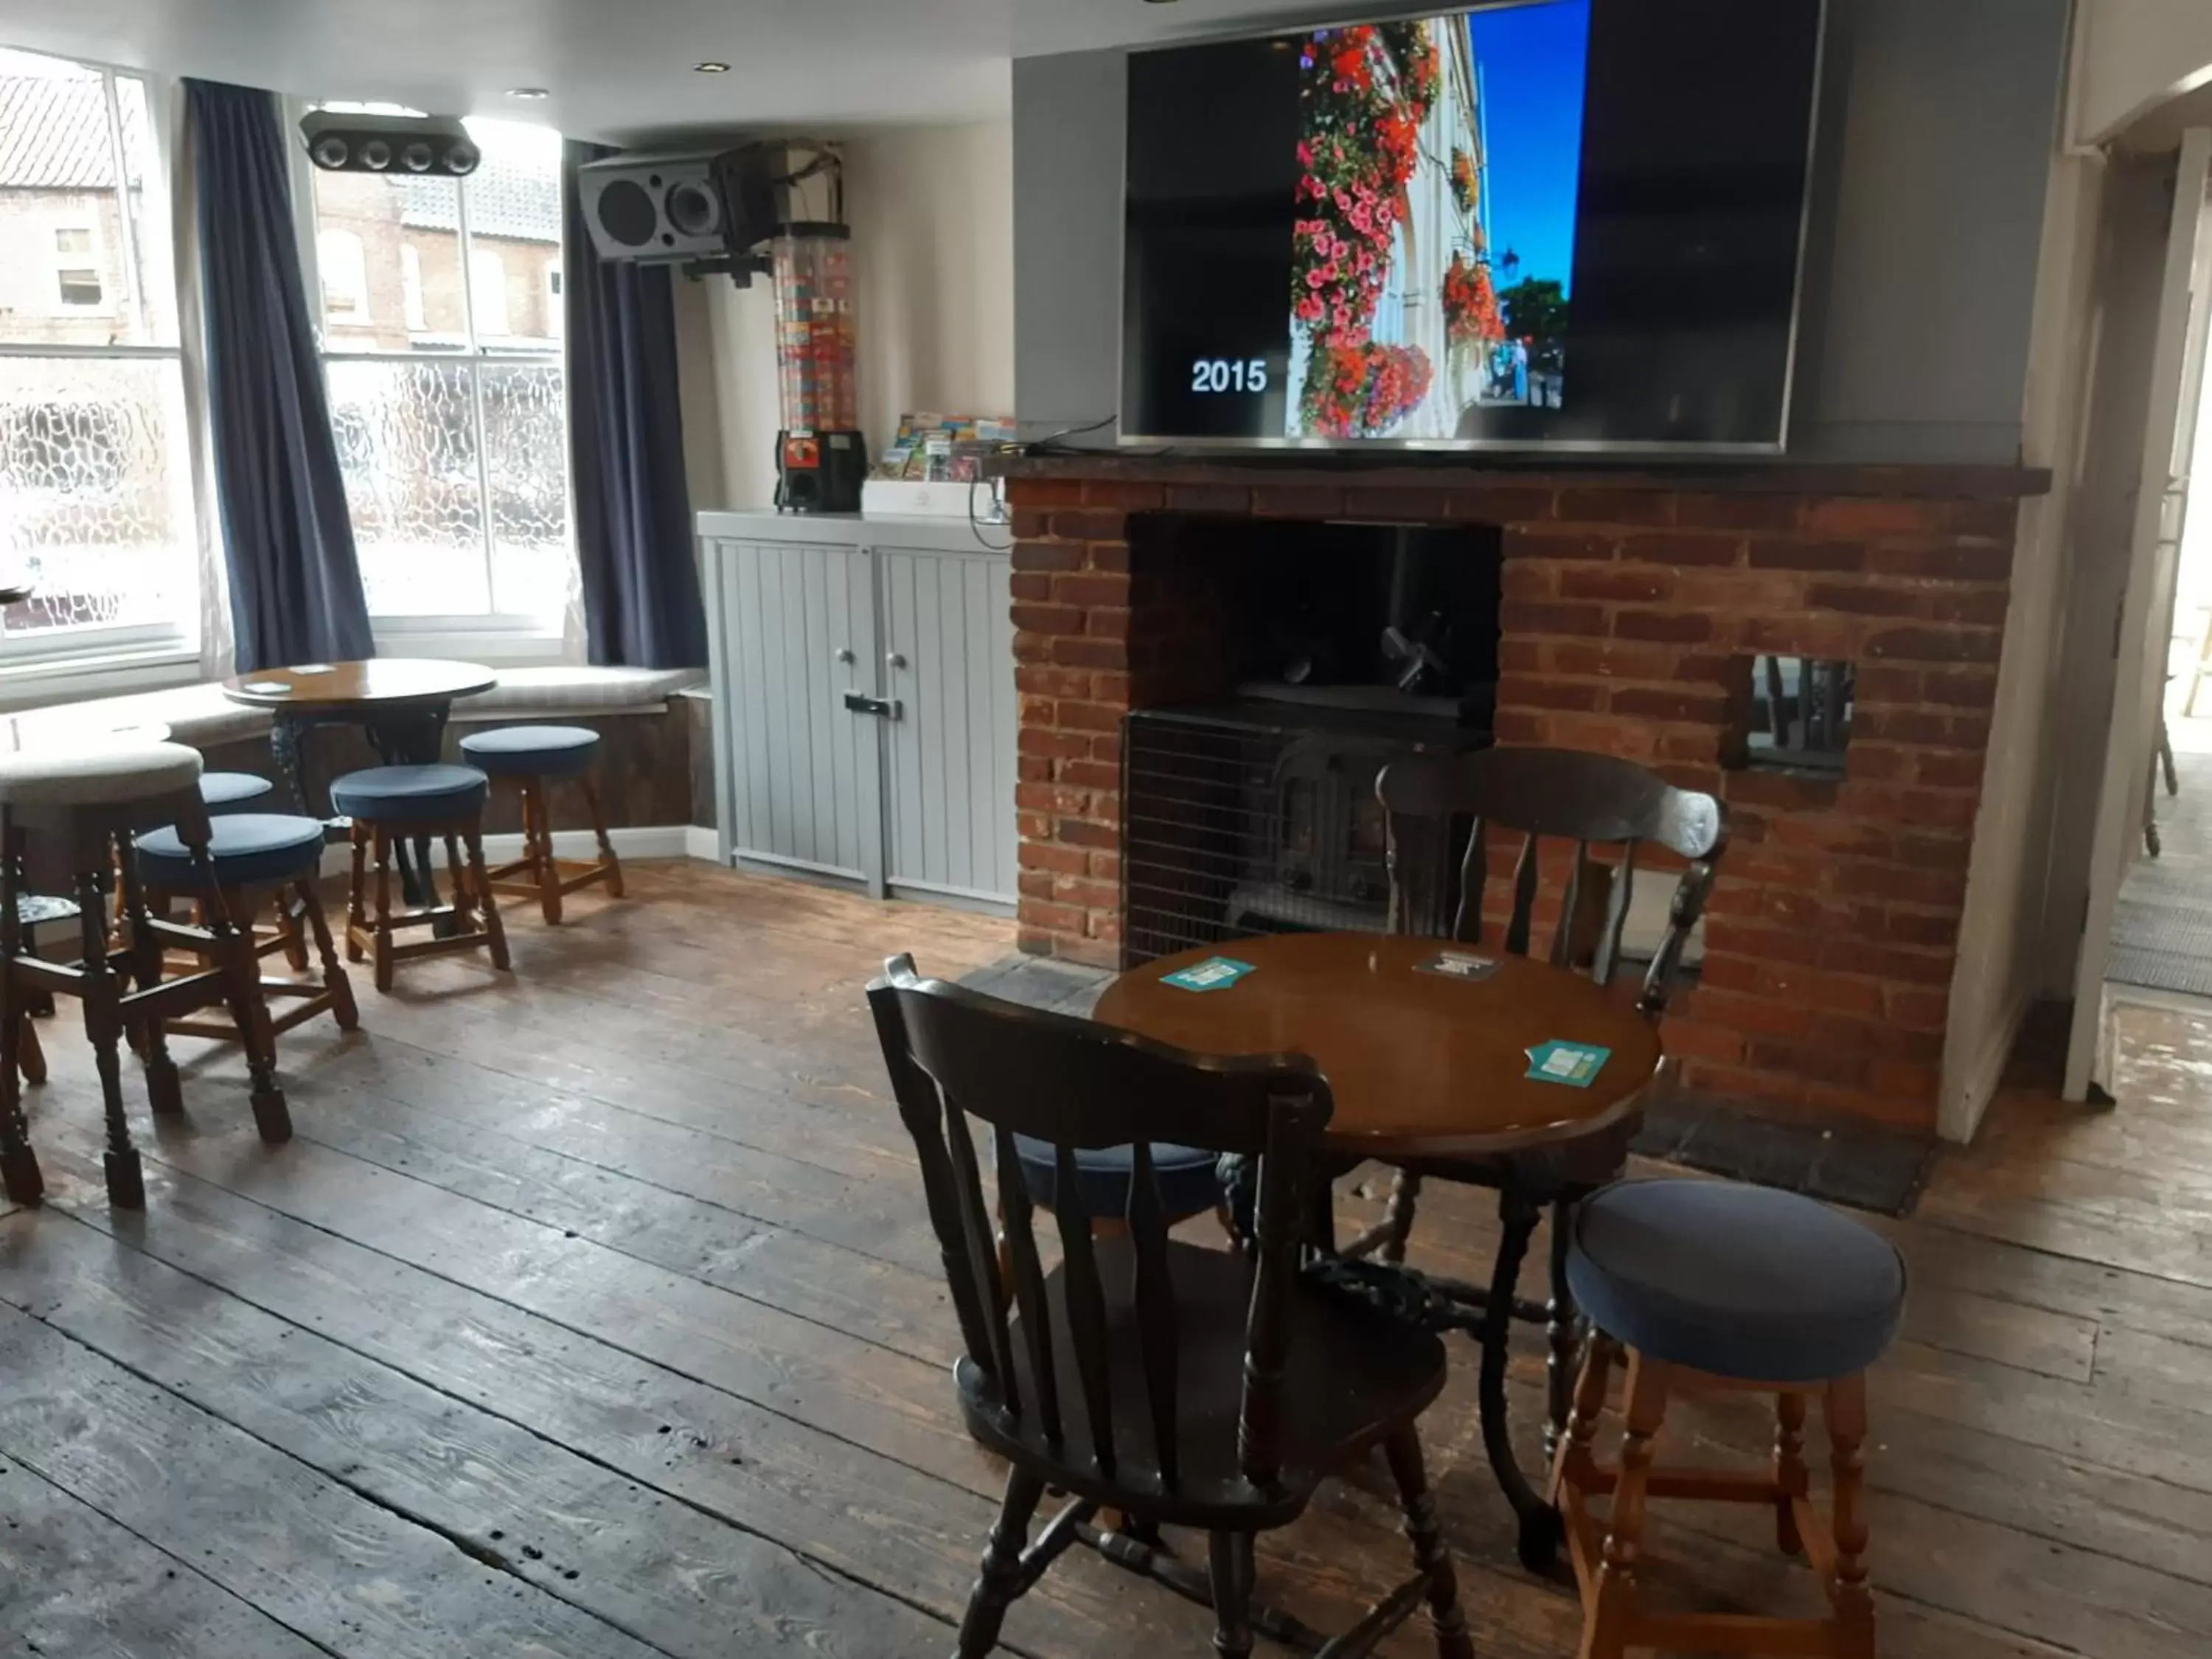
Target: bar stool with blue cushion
{"points": [[254, 857], [530, 757], [388, 804], [1706, 1284], [67, 819], [232, 792]]}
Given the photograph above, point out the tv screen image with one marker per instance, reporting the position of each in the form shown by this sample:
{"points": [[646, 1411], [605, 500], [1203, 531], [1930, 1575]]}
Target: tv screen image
{"points": [[1432, 260], [1550, 223]]}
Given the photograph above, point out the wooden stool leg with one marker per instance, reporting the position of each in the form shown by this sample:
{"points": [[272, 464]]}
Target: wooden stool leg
{"points": [[1790, 1476], [1608, 1613], [335, 978], [494, 930], [1846, 1412], [18, 1165], [1403, 1451], [103, 1024], [1562, 1332], [457, 875], [606, 843], [382, 926], [165, 1088], [241, 986], [357, 892], [1576, 1454], [538, 835]]}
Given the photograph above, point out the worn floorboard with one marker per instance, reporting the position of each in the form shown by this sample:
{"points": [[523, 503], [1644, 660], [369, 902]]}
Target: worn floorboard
{"points": [[593, 1312]]}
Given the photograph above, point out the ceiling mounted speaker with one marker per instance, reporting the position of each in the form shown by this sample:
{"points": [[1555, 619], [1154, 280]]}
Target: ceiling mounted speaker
{"points": [[374, 143], [653, 207]]}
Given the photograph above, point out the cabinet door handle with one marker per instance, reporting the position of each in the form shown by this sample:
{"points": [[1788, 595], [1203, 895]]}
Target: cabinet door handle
{"points": [[845, 654], [895, 659], [860, 703]]}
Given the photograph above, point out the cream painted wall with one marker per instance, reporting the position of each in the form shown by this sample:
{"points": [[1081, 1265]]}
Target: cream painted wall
{"points": [[2132, 55], [932, 215], [2003, 938]]}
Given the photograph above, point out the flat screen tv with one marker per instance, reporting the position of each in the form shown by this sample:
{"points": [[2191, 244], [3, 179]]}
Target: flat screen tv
{"points": [[1571, 224]]}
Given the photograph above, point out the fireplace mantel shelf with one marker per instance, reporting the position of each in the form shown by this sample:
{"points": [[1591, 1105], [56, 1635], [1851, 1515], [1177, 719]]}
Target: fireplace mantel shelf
{"points": [[1400, 470]]}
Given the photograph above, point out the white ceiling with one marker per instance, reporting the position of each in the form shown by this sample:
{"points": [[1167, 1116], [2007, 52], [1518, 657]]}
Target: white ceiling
{"points": [[620, 69]]}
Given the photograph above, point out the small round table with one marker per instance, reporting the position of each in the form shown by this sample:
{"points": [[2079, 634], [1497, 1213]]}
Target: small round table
{"points": [[1427, 1065], [401, 703]]}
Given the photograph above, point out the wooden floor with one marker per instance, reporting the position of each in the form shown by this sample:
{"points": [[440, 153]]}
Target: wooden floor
{"points": [[593, 1313]]}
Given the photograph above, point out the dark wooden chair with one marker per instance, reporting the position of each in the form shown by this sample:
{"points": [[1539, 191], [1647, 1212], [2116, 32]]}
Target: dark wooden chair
{"points": [[1178, 1385], [1592, 801]]}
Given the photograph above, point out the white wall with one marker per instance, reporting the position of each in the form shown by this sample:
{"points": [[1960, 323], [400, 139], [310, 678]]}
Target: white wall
{"points": [[2133, 55], [932, 209]]}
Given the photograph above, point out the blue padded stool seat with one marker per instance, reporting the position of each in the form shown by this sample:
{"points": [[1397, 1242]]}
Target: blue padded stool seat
{"points": [[543, 751], [246, 848], [1743, 1282], [1188, 1186], [437, 793], [228, 792]]}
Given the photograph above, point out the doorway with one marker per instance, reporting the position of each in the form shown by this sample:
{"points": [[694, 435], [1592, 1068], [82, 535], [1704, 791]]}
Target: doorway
{"points": [[2146, 916]]}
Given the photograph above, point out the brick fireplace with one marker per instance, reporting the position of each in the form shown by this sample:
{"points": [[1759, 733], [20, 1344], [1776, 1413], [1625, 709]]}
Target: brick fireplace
{"points": [[1633, 604]]}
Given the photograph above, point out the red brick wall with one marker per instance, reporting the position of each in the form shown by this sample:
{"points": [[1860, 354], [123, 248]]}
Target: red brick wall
{"points": [[1631, 609]]}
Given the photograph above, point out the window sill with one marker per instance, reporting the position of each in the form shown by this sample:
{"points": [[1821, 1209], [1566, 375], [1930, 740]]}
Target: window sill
{"points": [[33, 681], [436, 638]]}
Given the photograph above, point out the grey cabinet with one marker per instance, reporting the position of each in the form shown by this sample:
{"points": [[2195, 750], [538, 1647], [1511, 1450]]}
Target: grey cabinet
{"points": [[863, 702]]}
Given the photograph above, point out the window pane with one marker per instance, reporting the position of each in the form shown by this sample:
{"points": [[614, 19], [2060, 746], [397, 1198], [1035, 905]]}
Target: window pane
{"points": [[399, 246], [406, 437], [95, 491], [72, 208], [526, 457], [514, 219]]}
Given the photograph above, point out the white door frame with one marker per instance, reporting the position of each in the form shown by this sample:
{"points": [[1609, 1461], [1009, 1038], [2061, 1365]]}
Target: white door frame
{"points": [[2154, 537]]}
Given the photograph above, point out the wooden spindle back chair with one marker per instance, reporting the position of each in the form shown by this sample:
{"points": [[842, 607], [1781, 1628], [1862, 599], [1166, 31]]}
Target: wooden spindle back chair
{"points": [[1540, 795], [1176, 1384]]}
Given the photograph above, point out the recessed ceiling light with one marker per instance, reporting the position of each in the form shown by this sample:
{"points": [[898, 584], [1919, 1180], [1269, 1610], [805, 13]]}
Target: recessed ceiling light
{"points": [[528, 92], [710, 67]]}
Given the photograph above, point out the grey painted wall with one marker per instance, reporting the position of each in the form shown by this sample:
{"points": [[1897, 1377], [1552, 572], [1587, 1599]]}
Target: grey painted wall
{"points": [[1937, 127]]}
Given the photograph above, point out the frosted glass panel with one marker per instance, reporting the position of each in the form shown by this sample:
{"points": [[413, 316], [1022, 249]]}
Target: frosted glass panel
{"points": [[526, 453], [407, 445], [95, 491]]}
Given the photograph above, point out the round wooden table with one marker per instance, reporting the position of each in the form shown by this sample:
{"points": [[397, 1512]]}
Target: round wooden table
{"points": [[1422, 1065], [1431, 1066], [401, 703]]}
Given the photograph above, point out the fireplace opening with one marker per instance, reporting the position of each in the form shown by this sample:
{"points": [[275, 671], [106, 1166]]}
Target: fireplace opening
{"points": [[1336, 648]]}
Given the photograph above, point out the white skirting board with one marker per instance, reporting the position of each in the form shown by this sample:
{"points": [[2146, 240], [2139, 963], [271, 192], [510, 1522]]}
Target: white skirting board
{"points": [[650, 840]]}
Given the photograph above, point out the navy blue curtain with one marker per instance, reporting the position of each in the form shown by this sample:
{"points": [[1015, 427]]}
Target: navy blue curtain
{"points": [[295, 593], [641, 605]]}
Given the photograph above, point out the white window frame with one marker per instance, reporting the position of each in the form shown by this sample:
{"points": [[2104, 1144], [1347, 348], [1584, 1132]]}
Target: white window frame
{"points": [[96, 659], [507, 637], [96, 257]]}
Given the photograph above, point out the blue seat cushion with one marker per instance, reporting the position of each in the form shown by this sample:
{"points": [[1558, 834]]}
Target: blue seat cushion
{"points": [[1188, 1186], [1745, 1282], [245, 846], [226, 792], [507, 752], [438, 794]]}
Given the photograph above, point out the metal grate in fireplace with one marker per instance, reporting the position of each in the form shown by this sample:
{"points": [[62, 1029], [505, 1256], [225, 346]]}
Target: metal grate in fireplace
{"points": [[1252, 817]]}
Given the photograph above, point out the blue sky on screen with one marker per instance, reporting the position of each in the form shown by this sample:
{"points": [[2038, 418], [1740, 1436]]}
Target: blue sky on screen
{"points": [[1531, 59]]}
